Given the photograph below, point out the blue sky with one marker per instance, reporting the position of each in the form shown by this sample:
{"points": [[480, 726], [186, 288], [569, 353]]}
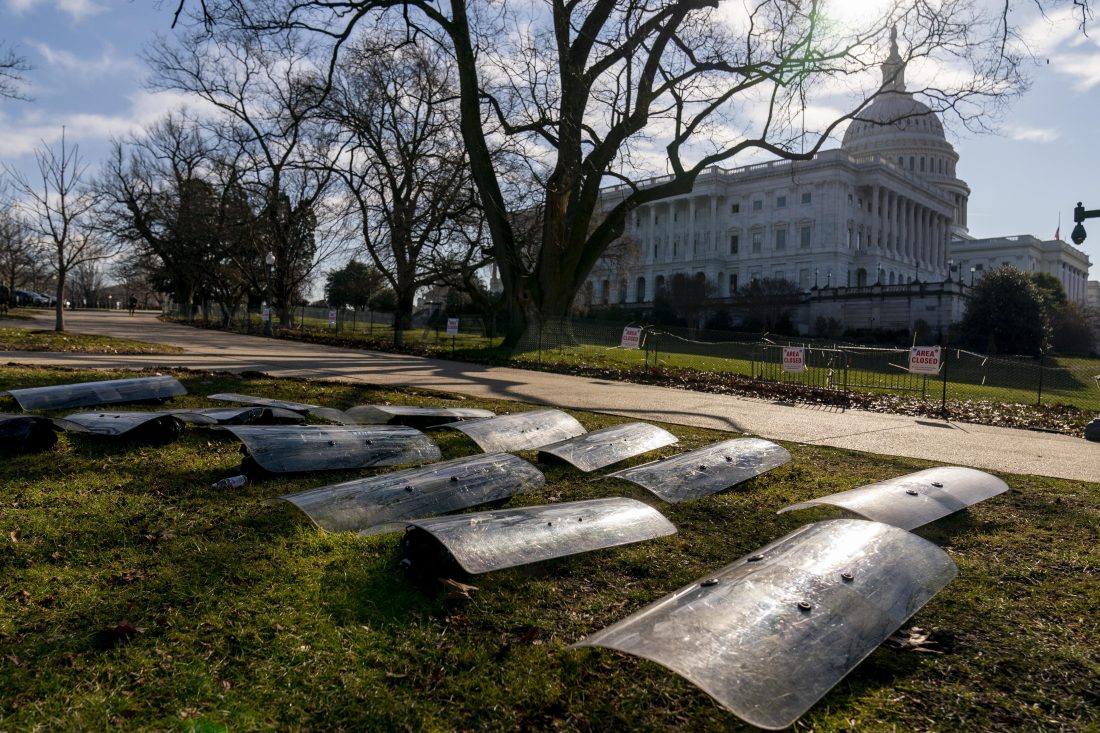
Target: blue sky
{"points": [[88, 77]]}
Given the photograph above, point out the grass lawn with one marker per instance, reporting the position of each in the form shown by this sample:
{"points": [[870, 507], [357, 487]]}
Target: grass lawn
{"points": [[134, 596], [27, 339], [1066, 380]]}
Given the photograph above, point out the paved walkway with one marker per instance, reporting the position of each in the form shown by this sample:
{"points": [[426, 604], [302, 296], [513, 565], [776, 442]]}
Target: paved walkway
{"points": [[981, 446]]}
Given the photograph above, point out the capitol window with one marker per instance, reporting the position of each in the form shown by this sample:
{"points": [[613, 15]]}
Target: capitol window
{"points": [[806, 197], [757, 242], [780, 202], [734, 244], [804, 236], [735, 208], [757, 205], [780, 239]]}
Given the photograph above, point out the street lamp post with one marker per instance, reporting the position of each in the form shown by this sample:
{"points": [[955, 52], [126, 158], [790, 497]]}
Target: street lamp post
{"points": [[1079, 215], [950, 269], [1092, 430], [269, 262], [829, 279], [971, 277], [815, 278]]}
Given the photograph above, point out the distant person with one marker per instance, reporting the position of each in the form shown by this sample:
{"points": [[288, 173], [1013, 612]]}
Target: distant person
{"points": [[133, 304]]}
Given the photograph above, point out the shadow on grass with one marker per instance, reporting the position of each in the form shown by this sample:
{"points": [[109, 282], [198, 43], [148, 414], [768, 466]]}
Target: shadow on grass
{"points": [[374, 592]]}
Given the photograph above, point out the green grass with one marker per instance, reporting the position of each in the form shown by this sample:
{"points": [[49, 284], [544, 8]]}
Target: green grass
{"points": [[252, 619], [26, 339], [1069, 381]]}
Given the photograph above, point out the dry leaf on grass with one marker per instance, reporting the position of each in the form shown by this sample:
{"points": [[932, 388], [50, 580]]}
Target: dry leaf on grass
{"points": [[914, 639], [457, 591]]}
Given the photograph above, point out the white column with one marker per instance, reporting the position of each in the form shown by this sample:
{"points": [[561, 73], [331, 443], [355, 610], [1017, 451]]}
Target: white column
{"points": [[891, 228], [689, 248], [876, 220], [651, 209], [670, 231], [910, 229], [715, 243]]}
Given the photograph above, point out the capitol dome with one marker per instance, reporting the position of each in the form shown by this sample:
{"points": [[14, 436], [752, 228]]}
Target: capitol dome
{"points": [[907, 133]]}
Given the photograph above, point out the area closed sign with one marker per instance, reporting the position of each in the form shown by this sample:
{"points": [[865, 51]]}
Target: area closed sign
{"points": [[632, 337], [924, 360], [794, 358], [452, 326]]}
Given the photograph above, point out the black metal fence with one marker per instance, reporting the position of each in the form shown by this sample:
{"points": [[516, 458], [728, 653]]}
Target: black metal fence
{"points": [[835, 367], [336, 321], [830, 365]]}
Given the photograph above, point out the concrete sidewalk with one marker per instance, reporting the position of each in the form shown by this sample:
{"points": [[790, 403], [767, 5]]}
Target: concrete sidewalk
{"points": [[980, 446]]}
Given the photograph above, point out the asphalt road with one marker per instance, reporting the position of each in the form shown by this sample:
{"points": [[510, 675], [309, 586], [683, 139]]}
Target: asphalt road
{"points": [[980, 446]]}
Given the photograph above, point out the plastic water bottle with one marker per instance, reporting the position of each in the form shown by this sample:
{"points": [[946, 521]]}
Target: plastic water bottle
{"points": [[233, 482]]}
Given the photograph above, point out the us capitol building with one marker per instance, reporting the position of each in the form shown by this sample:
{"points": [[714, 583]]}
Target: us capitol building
{"points": [[874, 233]]}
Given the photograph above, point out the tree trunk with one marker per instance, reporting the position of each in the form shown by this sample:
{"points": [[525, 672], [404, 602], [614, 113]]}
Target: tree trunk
{"points": [[402, 318], [59, 306]]}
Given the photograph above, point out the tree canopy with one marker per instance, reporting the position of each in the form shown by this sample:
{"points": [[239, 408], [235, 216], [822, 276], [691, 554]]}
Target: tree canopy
{"points": [[1005, 314], [355, 285], [609, 91]]}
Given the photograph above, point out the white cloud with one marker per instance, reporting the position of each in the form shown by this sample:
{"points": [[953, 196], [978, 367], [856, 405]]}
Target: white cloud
{"points": [[1083, 68], [1032, 134], [107, 63], [76, 9], [22, 135]]}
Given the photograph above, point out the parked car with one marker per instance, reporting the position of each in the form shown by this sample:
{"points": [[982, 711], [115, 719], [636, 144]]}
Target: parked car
{"points": [[31, 298]]}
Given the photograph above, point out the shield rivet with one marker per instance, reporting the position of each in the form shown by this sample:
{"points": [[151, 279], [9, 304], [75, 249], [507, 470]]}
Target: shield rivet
{"points": [[937, 484], [756, 558], [804, 605], [549, 524], [912, 492], [709, 582], [408, 488], [846, 576], [454, 479]]}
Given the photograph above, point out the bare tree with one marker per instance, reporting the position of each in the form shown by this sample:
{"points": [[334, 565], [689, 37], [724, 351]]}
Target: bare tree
{"points": [[175, 196], [139, 273], [58, 205], [269, 102], [86, 283], [156, 195], [405, 167], [12, 68], [589, 88], [17, 252]]}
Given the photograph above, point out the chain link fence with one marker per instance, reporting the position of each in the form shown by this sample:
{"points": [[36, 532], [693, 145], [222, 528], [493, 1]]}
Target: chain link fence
{"points": [[831, 366], [428, 327]]}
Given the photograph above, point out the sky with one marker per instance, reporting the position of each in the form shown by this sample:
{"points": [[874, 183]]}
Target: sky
{"points": [[88, 76]]}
